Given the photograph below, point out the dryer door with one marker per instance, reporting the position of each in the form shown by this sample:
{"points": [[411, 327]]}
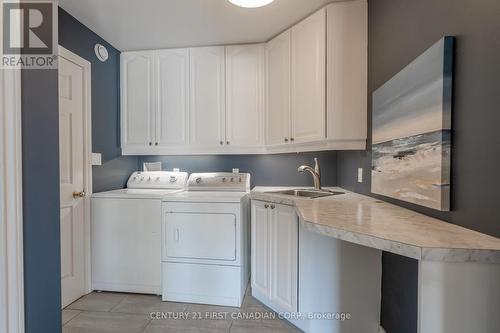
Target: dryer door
{"points": [[208, 236]]}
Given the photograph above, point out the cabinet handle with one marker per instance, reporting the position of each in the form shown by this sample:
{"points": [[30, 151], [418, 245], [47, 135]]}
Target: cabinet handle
{"points": [[176, 237], [227, 142], [286, 139], [273, 206], [292, 139], [266, 206], [156, 143], [150, 143], [222, 142]]}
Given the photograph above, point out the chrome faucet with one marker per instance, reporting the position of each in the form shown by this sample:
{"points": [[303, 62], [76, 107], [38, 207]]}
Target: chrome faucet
{"points": [[316, 173]]}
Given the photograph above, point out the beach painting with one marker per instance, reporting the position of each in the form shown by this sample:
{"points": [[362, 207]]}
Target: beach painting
{"points": [[411, 136]]}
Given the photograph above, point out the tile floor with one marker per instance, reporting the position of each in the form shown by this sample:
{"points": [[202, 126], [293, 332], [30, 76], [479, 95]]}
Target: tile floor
{"points": [[130, 313]]}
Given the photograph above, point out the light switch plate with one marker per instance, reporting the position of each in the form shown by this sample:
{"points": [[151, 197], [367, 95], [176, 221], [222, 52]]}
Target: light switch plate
{"points": [[360, 175], [96, 159]]}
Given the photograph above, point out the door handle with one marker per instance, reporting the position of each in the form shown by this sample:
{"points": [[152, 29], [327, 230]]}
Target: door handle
{"points": [[77, 195]]}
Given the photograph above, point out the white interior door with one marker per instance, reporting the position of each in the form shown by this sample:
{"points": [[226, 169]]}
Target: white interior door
{"points": [[72, 170]]}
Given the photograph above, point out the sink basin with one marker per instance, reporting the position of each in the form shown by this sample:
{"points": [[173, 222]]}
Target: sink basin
{"points": [[304, 193]]}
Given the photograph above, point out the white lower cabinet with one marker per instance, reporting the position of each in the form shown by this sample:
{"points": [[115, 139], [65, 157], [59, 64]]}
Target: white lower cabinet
{"points": [[313, 280], [275, 255]]}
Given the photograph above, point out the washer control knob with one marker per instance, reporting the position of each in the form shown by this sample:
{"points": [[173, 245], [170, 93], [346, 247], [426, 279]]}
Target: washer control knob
{"points": [[198, 180], [157, 179], [173, 179], [224, 179]]}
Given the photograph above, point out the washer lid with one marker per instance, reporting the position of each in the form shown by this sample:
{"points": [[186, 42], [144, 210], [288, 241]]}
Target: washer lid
{"points": [[135, 193]]}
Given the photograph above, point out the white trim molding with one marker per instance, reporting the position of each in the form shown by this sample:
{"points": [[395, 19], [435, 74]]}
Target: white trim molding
{"points": [[11, 206], [11, 224]]}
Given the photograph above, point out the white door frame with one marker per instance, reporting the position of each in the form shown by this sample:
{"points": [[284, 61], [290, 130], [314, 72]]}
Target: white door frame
{"points": [[11, 205], [87, 170]]}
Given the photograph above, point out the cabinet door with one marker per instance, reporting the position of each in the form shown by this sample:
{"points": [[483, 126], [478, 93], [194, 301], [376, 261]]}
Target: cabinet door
{"points": [[308, 78], [284, 235], [207, 102], [137, 107], [244, 95], [347, 43], [173, 99], [278, 89], [260, 247]]}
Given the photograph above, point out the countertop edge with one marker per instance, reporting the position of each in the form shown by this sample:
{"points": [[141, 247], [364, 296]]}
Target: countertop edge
{"points": [[388, 245]]}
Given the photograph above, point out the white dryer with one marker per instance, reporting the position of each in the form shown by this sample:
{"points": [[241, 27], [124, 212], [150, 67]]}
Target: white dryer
{"points": [[126, 232], [205, 240]]}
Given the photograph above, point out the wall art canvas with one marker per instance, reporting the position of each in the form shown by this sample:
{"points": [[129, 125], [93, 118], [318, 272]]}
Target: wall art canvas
{"points": [[411, 134]]}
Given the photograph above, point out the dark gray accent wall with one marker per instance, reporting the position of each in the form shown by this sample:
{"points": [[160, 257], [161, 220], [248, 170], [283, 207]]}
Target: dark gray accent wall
{"points": [[40, 136], [400, 30], [113, 174], [79, 39], [279, 169]]}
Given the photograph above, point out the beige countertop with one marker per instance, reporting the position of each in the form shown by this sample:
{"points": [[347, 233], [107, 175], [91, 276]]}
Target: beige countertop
{"points": [[370, 222]]}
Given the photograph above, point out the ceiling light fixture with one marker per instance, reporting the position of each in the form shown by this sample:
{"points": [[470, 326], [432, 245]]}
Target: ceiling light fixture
{"points": [[251, 3]]}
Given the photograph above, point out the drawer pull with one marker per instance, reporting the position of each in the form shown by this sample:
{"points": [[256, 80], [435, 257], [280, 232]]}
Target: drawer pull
{"points": [[176, 236]]}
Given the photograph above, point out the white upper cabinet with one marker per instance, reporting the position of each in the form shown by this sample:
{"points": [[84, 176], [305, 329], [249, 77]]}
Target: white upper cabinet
{"points": [[309, 78], [347, 48], [207, 91], [137, 99], [173, 97], [244, 95], [305, 90], [278, 122]]}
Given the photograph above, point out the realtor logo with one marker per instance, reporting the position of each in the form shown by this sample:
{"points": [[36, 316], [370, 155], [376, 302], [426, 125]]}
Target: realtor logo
{"points": [[29, 34]]}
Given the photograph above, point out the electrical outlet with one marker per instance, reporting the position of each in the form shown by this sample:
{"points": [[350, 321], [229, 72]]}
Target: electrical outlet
{"points": [[96, 159], [360, 175]]}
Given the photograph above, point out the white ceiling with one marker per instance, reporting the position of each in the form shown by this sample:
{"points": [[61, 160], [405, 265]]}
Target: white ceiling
{"points": [[152, 24]]}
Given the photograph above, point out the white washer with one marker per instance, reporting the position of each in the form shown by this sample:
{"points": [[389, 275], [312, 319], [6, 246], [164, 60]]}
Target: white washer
{"points": [[205, 240], [126, 232]]}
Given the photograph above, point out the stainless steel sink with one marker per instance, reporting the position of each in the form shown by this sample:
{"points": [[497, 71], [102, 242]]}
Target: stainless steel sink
{"points": [[305, 193]]}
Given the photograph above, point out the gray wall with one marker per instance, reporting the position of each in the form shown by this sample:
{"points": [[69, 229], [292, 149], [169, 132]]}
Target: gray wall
{"points": [[399, 30], [280, 169], [80, 40], [40, 136]]}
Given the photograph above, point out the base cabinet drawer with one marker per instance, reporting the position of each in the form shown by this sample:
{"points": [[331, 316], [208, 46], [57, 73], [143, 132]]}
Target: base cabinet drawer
{"points": [[203, 284]]}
